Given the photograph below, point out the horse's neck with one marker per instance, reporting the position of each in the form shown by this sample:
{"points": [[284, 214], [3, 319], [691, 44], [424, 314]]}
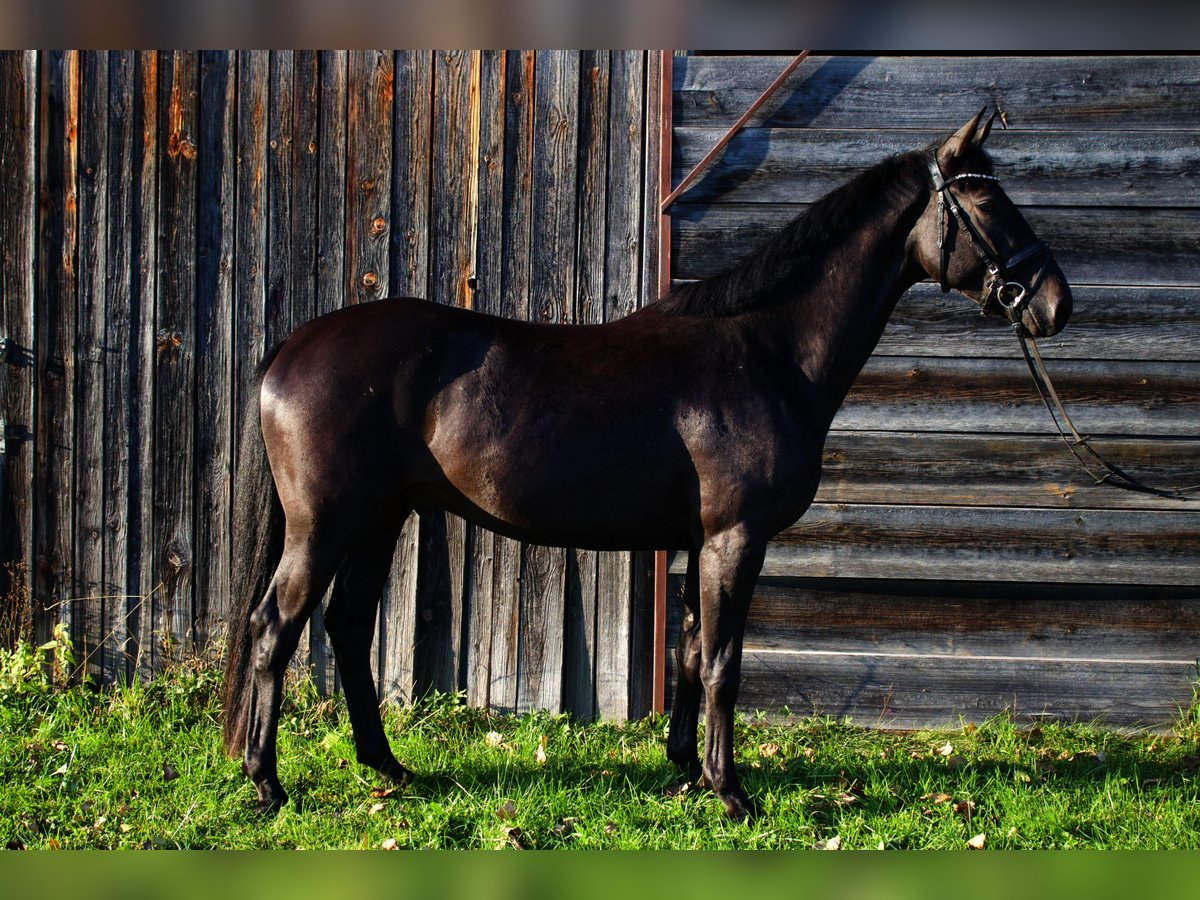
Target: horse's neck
{"points": [[838, 319]]}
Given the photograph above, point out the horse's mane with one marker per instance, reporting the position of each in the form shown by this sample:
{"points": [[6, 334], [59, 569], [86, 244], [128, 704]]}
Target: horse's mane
{"points": [[754, 280]]}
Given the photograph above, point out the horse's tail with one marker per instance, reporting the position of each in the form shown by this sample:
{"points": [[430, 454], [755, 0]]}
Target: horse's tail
{"points": [[257, 548]]}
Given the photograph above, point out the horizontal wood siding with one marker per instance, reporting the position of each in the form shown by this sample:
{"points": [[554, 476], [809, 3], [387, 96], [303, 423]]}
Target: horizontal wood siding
{"points": [[169, 216], [956, 561]]}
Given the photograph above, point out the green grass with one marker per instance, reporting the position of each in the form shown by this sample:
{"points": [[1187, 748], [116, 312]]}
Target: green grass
{"points": [[84, 768]]}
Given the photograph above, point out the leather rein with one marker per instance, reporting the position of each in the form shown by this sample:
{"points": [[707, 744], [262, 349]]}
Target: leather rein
{"points": [[1011, 296]]}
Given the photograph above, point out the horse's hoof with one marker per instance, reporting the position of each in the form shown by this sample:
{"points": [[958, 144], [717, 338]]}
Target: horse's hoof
{"points": [[396, 773], [738, 807], [271, 804]]}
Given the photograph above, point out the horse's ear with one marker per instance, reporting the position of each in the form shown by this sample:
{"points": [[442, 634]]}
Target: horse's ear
{"points": [[984, 130], [963, 138]]}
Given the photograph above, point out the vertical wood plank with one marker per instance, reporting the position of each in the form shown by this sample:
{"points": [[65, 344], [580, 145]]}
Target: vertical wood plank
{"points": [[250, 277], [482, 586], [368, 173], [18, 243], [330, 268], [641, 629], [551, 298], [121, 586], [217, 177], [407, 232], [514, 303], [280, 194], [302, 303], [369, 154], [88, 599], [55, 327], [175, 350], [622, 282], [143, 291], [579, 652], [453, 205]]}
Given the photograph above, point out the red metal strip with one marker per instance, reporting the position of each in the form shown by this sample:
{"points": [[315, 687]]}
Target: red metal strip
{"points": [[691, 176]]}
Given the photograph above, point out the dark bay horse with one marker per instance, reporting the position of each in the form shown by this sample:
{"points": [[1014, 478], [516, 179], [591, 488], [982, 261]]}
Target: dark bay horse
{"points": [[695, 423]]}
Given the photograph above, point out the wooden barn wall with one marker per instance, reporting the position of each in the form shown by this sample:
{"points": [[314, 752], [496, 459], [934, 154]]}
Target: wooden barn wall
{"points": [[956, 562], [167, 216]]}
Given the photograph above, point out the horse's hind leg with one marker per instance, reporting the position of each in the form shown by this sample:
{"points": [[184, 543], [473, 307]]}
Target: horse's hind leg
{"points": [[276, 624], [350, 623], [685, 711]]}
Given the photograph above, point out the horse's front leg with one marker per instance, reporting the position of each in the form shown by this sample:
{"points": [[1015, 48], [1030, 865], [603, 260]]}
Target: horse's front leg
{"points": [[729, 565]]}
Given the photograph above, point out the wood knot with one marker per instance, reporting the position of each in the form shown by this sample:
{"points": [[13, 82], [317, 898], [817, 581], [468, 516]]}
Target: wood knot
{"points": [[378, 225], [370, 280]]}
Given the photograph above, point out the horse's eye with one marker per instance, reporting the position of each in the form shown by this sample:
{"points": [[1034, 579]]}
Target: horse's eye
{"points": [[987, 206]]}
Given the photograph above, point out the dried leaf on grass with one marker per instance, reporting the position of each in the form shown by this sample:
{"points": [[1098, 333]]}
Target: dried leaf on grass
{"points": [[507, 810], [834, 843], [768, 749], [494, 739], [389, 844], [514, 838], [169, 773], [540, 753], [977, 842]]}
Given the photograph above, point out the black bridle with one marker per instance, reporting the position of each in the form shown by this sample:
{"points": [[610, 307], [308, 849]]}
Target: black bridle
{"points": [[998, 287], [1011, 296]]}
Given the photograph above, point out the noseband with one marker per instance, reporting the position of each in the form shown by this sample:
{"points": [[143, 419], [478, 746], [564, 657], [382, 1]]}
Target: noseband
{"points": [[997, 287]]}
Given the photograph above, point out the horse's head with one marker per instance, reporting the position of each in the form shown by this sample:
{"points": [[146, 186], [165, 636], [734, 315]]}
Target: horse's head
{"points": [[971, 237]]}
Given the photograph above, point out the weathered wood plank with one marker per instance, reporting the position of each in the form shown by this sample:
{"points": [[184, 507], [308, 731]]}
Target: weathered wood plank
{"points": [[55, 329], [622, 252], [331, 181], [453, 201], [1127, 323], [397, 623], [1108, 322], [551, 298], [19, 237], [88, 600], [997, 395], [408, 273], [1060, 546], [330, 266], [941, 92], [408, 228], [281, 122], [583, 566], [1131, 623], [908, 692], [147, 141], [482, 586], [216, 176], [370, 116], [919, 692], [250, 263], [543, 583], [175, 351], [305, 181], [515, 92], [120, 577], [368, 173], [982, 618], [1045, 168], [1093, 246], [996, 470], [641, 628]]}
